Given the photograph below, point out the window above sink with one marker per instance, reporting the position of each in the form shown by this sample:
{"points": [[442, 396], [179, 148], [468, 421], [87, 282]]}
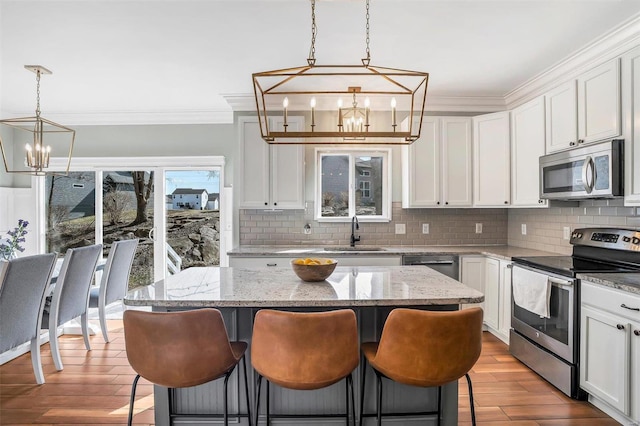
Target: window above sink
{"points": [[353, 182]]}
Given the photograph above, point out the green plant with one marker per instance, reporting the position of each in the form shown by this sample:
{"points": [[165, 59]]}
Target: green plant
{"points": [[8, 248]]}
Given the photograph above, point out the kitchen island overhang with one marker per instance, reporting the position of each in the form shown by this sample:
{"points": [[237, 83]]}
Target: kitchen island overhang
{"points": [[240, 292]]}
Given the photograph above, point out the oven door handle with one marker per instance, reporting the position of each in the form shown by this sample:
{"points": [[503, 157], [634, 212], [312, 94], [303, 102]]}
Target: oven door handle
{"points": [[554, 280], [586, 174]]}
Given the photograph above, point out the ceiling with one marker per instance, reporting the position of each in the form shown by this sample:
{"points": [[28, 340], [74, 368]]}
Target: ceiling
{"points": [[150, 61]]}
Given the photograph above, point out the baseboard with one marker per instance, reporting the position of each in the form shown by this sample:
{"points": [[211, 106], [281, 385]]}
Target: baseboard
{"points": [[611, 412]]}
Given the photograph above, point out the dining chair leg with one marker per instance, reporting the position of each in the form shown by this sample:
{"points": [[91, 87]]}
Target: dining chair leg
{"points": [[102, 314], [379, 398], [473, 410], [364, 376], [36, 359], [55, 349], [226, 392], [246, 388], [133, 398], [84, 322], [258, 384]]}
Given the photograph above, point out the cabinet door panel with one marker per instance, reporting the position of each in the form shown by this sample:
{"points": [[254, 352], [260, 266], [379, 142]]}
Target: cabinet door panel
{"points": [[492, 293], [561, 106], [421, 168], [254, 166], [599, 102], [631, 127], [456, 162], [491, 160], [527, 145], [472, 275], [604, 357]]}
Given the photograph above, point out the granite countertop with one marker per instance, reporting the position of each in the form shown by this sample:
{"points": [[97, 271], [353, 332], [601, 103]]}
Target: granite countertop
{"points": [[625, 281], [280, 287], [502, 251]]}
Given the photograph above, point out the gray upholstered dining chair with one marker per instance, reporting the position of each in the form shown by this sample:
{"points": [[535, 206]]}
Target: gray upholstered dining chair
{"points": [[23, 285], [70, 297], [115, 280]]}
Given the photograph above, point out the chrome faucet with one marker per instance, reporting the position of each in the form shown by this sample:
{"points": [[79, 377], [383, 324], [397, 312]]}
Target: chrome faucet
{"points": [[354, 226]]}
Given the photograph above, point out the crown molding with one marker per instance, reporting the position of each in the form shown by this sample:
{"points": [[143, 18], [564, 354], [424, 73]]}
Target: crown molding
{"points": [[247, 102], [106, 118], [611, 45]]}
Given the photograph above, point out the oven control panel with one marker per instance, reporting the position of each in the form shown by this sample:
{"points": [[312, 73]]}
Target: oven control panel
{"points": [[619, 239]]}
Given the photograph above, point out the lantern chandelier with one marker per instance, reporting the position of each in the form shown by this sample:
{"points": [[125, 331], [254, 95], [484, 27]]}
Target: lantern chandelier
{"points": [[343, 103], [37, 154]]}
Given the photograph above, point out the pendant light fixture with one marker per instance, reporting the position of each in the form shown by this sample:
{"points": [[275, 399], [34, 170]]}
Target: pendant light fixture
{"points": [[343, 103], [47, 138]]}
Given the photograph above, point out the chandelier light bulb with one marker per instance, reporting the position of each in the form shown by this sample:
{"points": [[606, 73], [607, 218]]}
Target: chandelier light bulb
{"points": [[285, 103], [313, 102]]}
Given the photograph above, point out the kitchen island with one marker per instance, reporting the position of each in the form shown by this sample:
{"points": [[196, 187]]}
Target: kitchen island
{"points": [[239, 292]]}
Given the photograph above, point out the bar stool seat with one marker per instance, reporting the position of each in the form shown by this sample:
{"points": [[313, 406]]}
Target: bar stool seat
{"points": [[425, 349], [305, 351], [182, 349]]}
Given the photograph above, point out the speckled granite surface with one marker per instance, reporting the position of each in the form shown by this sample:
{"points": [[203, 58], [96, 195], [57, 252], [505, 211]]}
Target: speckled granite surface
{"points": [[622, 281], [280, 287], [503, 252]]}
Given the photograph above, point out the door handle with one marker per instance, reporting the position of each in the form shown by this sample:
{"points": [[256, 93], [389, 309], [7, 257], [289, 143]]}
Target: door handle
{"points": [[435, 262], [588, 184]]}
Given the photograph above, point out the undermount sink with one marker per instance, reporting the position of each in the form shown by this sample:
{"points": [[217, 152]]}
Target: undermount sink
{"points": [[349, 248]]}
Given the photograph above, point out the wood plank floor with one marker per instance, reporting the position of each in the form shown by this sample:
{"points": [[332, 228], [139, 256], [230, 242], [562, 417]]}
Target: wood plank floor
{"points": [[94, 389]]}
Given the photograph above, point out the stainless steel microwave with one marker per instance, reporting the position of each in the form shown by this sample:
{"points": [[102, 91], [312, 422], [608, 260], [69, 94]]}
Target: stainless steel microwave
{"points": [[589, 171]]}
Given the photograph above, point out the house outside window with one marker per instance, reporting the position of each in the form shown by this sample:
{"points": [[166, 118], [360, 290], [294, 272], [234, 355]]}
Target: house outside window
{"points": [[353, 182]]}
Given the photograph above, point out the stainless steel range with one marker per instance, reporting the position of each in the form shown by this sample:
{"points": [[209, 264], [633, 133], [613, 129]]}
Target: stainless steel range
{"points": [[547, 338]]}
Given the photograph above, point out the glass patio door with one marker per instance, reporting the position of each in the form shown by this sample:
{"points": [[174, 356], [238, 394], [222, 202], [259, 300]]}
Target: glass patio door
{"points": [[191, 218]]}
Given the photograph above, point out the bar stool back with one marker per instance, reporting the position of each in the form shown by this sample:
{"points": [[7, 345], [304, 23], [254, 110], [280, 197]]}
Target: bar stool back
{"points": [[305, 351], [425, 349], [181, 349]]}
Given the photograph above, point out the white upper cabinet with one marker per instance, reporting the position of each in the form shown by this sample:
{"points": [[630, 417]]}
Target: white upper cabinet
{"points": [[599, 103], [586, 109], [271, 176], [437, 167], [562, 117], [527, 145], [631, 127], [491, 166]]}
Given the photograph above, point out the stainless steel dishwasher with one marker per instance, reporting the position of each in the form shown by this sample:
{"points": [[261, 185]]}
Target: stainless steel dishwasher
{"points": [[447, 264]]}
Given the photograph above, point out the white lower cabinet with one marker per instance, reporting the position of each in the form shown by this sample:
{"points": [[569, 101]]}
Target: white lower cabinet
{"points": [[493, 278], [610, 350], [472, 275]]}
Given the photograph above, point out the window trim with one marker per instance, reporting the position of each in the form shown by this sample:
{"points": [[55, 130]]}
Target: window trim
{"points": [[387, 196]]}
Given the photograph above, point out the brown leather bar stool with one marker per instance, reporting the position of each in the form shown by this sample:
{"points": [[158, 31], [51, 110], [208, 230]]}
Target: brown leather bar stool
{"points": [[182, 349], [425, 349], [305, 351]]}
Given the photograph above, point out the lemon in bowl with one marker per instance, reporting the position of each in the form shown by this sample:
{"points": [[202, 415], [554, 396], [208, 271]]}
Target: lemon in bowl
{"points": [[313, 268]]}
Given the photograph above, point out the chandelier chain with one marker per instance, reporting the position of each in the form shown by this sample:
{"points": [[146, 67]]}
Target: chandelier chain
{"points": [[38, 93], [314, 31], [366, 60]]}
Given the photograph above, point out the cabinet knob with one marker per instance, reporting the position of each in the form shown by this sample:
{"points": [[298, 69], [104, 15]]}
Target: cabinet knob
{"points": [[636, 332], [438, 203], [540, 201], [506, 202], [620, 327], [446, 202], [272, 264], [275, 204], [266, 204], [572, 144], [580, 141]]}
